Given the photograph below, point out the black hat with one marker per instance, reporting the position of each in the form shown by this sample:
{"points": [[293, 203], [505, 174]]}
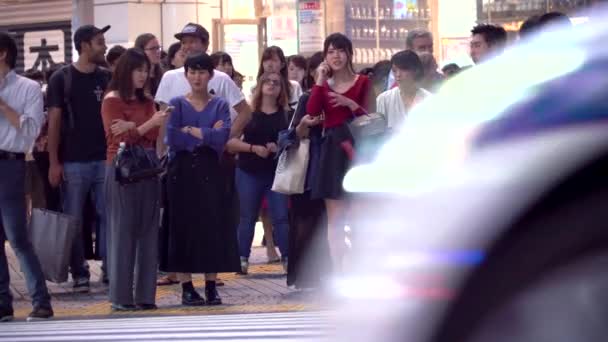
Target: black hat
{"points": [[86, 32], [194, 30]]}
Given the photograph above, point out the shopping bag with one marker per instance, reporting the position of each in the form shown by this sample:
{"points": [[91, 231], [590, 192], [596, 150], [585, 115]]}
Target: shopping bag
{"points": [[290, 175], [52, 235]]}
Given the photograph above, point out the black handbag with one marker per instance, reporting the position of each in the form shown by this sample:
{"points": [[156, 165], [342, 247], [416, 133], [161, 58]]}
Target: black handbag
{"points": [[134, 163]]}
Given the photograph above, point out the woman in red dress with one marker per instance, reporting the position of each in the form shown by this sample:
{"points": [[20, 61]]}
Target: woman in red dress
{"points": [[340, 95]]}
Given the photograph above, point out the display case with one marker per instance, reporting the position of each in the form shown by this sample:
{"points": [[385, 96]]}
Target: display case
{"points": [[379, 28]]}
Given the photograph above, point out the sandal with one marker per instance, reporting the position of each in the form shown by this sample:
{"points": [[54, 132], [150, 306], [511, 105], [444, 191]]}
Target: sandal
{"points": [[165, 281]]}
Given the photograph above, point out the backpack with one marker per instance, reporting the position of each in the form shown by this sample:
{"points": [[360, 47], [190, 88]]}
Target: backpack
{"points": [[67, 88]]}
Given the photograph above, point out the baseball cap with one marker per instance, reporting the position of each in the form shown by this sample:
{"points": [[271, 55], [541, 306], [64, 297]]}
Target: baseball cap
{"points": [[194, 30], [86, 32]]}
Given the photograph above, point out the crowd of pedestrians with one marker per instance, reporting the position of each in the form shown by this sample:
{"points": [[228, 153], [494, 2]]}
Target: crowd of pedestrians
{"points": [[221, 148]]}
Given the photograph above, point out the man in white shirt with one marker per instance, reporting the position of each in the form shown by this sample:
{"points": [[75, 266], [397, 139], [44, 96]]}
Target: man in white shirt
{"points": [[21, 118], [397, 102], [195, 39]]}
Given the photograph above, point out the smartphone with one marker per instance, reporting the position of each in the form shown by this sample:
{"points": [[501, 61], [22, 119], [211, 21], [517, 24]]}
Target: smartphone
{"points": [[169, 109], [330, 73]]}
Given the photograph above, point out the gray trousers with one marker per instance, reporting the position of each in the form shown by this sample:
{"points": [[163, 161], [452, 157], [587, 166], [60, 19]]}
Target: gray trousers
{"points": [[133, 222]]}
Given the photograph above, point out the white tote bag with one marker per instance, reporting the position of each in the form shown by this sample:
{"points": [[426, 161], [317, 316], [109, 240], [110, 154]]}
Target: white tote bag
{"points": [[292, 166]]}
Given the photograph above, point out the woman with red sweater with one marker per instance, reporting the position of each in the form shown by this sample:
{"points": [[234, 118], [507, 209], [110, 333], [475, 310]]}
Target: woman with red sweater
{"points": [[340, 95]]}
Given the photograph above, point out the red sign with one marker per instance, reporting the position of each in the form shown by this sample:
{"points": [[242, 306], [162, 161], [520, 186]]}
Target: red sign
{"points": [[310, 5]]}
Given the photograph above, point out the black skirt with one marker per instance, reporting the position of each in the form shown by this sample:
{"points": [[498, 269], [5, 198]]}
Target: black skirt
{"points": [[333, 164], [198, 233]]}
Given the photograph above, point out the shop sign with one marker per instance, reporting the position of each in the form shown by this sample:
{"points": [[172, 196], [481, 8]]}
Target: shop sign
{"points": [[311, 32]]}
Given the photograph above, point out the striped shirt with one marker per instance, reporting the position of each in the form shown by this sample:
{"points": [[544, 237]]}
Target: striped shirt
{"points": [[24, 96]]}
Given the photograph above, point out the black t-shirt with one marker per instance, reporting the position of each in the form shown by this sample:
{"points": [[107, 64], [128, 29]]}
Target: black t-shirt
{"points": [[262, 129], [85, 140]]}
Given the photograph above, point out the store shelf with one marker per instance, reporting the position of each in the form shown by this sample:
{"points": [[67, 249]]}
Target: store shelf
{"points": [[378, 29]]}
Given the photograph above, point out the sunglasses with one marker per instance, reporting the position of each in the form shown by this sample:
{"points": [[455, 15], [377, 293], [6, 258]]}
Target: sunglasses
{"points": [[273, 82]]}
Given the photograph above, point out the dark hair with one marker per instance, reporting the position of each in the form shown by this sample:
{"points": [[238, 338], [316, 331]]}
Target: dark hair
{"points": [[122, 79], [34, 74], [8, 45], [369, 72], [143, 39], [114, 53], [551, 18], [409, 60], [341, 42], [313, 63], [282, 99], [495, 36], [529, 26], [173, 49], [220, 57], [451, 68], [297, 60], [199, 61], [51, 70], [381, 71], [270, 52]]}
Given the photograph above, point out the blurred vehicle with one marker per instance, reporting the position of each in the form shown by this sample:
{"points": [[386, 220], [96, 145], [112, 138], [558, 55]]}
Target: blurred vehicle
{"points": [[486, 218]]}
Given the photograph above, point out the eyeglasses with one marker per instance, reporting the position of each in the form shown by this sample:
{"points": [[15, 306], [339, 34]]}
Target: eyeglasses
{"points": [[153, 48], [273, 82]]}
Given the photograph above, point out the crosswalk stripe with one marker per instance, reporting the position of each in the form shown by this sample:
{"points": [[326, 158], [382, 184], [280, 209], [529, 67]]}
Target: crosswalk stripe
{"points": [[250, 327]]}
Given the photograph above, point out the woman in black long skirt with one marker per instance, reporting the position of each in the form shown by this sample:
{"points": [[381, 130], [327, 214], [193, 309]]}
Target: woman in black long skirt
{"points": [[198, 236]]}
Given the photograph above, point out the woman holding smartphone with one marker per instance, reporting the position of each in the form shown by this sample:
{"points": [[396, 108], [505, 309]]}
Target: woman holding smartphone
{"points": [[129, 117], [340, 94], [199, 237]]}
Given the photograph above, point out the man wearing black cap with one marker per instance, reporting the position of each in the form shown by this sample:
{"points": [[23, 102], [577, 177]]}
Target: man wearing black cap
{"points": [[195, 39], [76, 142]]}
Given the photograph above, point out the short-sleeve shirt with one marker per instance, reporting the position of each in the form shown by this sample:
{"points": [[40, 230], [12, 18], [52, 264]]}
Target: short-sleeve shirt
{"points": [[85, 140], [175, 84]]}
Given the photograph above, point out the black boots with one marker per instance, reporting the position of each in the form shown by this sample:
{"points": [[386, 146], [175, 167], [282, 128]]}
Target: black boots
{"points": [[191, 298], [189, 295], [213, 297]]}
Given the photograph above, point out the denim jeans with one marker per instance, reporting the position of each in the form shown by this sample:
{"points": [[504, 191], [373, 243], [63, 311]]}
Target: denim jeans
{"points": [[14, 229], [82, 179], [251, 189]]}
